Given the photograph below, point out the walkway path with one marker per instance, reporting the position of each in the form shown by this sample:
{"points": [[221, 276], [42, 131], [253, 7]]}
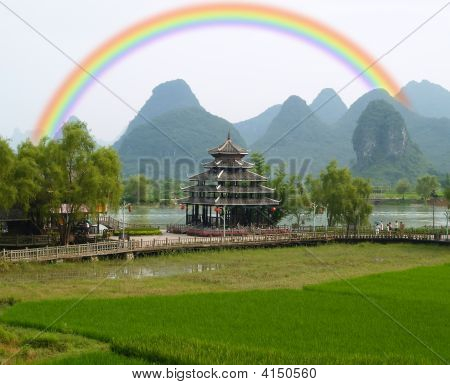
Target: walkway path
{"points": [[172, 242]]}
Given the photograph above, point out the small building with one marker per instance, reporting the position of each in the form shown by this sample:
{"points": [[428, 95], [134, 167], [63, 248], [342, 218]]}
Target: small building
{"points": [[16, 222], [228, 187]]}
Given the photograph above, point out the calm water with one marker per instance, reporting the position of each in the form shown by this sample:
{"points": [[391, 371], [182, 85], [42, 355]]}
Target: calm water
{"points": [[100, 271], [414, 215]]}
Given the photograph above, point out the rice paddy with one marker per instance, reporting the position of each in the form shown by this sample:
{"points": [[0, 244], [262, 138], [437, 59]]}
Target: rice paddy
{"points": [[398, 317]]}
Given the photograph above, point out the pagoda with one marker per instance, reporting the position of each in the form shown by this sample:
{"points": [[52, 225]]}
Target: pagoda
{"points": [[228, 188]]}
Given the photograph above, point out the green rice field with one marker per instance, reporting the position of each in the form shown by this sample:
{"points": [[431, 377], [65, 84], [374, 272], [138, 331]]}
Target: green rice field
{"points": [[398, 317]]}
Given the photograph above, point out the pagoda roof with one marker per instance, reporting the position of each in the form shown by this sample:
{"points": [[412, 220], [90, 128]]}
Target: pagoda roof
{"points": [[230, 189], [224, 175], [229, 201], [228, 148], [228, 163]]}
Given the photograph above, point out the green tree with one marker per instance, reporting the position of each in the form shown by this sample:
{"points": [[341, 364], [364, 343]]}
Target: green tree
{"points": [[8, 190], [84, 176], [297, 204], [356, 205], [426, 185], [447, 196], [402, 187], [28, 176], [137, 189], [109, 185], [261, 167], [37, 176], [345, 197], [446, 187], [280, 184]]}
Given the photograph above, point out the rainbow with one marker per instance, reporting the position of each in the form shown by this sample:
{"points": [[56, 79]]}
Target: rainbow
{"points": [[149, 30]]}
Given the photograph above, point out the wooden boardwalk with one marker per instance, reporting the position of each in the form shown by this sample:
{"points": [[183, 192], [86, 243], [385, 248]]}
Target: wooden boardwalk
{"points": [[129, 249]]}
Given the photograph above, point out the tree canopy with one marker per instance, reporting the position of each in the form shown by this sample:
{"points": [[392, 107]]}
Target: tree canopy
{"points": [[346, 198], [8, 191], [426, 185], [261, 167], [402, 187], [61, 178]]}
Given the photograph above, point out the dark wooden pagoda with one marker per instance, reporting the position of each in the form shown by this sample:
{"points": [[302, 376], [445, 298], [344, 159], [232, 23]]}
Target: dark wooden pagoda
{"points": [[228, 185]]}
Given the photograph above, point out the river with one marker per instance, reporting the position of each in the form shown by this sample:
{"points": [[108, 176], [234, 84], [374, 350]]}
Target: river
{"points": [[412, 215]]}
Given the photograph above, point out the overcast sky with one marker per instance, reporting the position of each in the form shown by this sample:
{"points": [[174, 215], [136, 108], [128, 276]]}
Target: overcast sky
{"points": [[235, 72]]}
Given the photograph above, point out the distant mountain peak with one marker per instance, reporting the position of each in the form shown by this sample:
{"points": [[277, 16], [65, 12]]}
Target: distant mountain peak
{"points": [[428, 99], [180, 128], [254, 128], [167, 96], [383, 147], [380, 134], [295, 104], [328, 106], [294, 100]]}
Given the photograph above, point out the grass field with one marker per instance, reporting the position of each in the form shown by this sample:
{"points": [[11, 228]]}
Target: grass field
{"points": [[235, 270], [20, 345], [212, 317]]}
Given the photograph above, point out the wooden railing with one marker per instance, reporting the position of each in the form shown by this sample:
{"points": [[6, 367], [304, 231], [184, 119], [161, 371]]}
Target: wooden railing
{"points": [[153, 245]]}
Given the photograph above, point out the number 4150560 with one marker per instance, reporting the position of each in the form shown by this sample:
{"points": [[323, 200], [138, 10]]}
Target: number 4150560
{"points": [[289, 373]]}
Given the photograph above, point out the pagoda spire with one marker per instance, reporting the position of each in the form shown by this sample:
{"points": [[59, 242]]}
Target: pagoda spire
{"points": [[229, 134]]}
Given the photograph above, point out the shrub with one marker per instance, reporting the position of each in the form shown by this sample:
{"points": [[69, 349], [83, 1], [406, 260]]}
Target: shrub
{"points": [[5, 336], [139, 232], [7, 301], [48, 341]]}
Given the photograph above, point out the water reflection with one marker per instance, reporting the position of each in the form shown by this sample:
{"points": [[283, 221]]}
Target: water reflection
{"points": [[129, 271]]}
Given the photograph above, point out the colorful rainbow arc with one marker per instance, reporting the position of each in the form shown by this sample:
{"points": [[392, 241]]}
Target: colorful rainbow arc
{"points": [[147, 31]]}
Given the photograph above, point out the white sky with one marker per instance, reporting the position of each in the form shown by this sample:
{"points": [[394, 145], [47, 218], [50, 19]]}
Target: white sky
{"points": [[235, 72]]}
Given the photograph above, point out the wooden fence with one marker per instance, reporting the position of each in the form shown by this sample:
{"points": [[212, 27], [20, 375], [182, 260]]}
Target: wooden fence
{"points": [[132, 247]]}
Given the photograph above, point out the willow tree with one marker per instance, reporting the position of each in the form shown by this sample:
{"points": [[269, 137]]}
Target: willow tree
{"points": [[8, 190], [84, 176], [426, 186], [36, 178], [357, 209], [346, 198]]}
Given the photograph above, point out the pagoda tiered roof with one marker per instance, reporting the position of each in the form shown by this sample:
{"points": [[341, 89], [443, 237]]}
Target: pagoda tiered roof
{"points": [[228, 163], [227, 181], [226, 175], [220, 201], [228, 148], [259, 189]]}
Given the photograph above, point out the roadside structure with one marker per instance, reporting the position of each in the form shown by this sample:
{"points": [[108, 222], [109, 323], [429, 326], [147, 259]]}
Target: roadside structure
{"points": [[228, 190]]}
